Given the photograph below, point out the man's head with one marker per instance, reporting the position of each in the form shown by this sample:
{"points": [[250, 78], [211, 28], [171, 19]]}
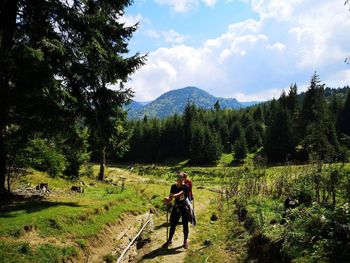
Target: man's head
{"points": [[179, 179]]}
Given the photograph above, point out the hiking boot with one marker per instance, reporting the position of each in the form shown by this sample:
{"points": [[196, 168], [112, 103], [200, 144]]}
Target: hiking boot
{"points": [[167, 244], [185, 245]]}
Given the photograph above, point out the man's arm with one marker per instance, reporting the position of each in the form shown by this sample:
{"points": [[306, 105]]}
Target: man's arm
{"points": [[177, 195]]}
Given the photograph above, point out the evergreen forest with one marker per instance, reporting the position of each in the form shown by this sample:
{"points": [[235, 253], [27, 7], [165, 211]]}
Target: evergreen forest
{"points": [[297, 128]]}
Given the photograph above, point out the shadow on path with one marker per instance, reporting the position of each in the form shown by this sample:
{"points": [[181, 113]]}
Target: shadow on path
{"points": [[162, 225], [166, 225], [161, 252], [31, 207]]}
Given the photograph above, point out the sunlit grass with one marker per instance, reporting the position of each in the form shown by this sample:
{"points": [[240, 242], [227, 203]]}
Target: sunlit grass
{"points": [[68, 216]]}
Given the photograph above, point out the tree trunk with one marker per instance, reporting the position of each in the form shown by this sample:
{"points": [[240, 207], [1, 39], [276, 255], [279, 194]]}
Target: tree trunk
{"points": [[101, 175], [2, 164], [8, 12], [7, 25], [9, 178]]}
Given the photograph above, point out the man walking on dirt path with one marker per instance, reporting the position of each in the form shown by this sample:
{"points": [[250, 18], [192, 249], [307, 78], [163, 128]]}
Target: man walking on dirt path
{"points": [[179, 192]]}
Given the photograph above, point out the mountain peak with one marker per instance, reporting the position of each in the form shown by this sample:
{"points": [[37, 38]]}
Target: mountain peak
{"points": [[175, 101]]}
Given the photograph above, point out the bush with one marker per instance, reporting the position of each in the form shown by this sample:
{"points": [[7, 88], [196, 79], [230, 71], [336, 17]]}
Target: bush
{"points": [[322, 234], [109, 258], [43, 155], [75, 149]]}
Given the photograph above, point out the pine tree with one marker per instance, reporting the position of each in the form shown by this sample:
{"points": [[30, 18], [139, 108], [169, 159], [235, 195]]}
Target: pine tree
{"points": [[213, 147], [344, 117], [253, 137], [319, 136], [314, 103], [292, 102], [258, 114], [205, 145], [240, 149], [189, 117], [57, 59], [197, 143], [217, 106], [235, 131], [280, 138]]}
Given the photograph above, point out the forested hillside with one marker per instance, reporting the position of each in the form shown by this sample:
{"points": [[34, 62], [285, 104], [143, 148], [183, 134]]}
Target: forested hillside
{"points": [[174, 102], [311, 125]]}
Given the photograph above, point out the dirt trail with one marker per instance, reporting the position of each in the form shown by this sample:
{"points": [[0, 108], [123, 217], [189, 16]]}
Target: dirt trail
{"points": [[119, 235], [114, 238], [153, 251]]}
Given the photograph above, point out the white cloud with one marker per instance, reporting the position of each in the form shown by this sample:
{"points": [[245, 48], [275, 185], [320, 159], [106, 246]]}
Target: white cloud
{"points": [[339, 78], [183, 6], [173, 37], [255, 59], [277, 46], [180, 6], [131, 20], [210, 2], [257, 96], [152, 34], [277, 9]]}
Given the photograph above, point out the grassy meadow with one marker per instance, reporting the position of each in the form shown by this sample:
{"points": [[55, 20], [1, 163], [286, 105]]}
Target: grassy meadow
{"points": [[254, 223], [286, 213], [61, 224]]}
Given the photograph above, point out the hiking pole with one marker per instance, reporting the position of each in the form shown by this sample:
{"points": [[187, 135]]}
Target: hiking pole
{"points": [[166, 203], [194, 213], [167, 222]]}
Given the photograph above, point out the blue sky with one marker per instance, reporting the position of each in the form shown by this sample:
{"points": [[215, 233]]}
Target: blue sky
{"points": [[196, 24], [247, 49]]}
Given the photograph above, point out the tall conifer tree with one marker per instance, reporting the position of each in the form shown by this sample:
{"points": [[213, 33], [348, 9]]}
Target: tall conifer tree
{"points": [[57, 59]]}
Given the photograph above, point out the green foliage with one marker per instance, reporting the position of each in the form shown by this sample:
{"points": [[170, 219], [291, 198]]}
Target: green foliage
{"points": [[328, 239], [280, 139], [320, 139], [59, 65], [205, 145], [300, 213], [44, 155], [75, 149], [240, 148], [109, 258], [112, 190], [344, 116], [45, 253]]}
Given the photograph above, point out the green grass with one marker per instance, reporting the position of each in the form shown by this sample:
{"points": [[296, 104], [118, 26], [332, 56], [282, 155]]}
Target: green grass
{"points": [[80, 214], [226, 159], [46, 253], [70, 218], [76, 217], [213, 231]]}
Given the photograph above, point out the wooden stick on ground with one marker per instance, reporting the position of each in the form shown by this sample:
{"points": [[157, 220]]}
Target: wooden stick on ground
{"points": [[132, 241]]}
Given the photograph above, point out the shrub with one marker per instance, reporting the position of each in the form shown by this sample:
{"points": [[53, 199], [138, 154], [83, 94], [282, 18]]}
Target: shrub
{"points": [[43, 155], [75, 149], [322, 234]]}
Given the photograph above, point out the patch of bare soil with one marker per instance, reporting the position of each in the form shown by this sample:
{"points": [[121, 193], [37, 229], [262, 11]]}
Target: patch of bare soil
{"points": [[153, 251], [114, 238]]}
